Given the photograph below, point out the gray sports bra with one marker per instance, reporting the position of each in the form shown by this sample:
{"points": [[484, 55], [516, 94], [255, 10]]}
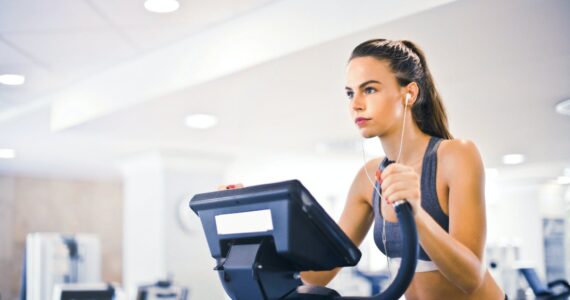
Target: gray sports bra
{"points": [[429, 203]]}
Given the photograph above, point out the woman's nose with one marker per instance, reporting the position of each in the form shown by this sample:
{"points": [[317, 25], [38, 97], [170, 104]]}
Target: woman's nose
{"points": [[358, 102]]}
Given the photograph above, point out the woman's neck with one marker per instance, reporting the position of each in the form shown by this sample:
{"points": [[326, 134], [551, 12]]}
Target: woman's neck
{"points": [[413, 148]]}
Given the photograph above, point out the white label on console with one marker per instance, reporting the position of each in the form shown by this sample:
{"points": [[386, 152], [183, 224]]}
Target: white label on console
{"points": [[244, 222]]}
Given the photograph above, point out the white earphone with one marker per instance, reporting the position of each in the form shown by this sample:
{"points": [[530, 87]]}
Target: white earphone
{"points": [[408, 96]]}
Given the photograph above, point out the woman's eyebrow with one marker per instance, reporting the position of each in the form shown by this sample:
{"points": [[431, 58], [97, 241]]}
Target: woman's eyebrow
{"points": [[364, 84]]}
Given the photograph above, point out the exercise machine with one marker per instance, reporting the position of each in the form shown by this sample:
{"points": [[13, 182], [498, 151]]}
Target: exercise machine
{"points": [[162, 289], [84, 291], [554, 290], [263, 236], [54, 258]]}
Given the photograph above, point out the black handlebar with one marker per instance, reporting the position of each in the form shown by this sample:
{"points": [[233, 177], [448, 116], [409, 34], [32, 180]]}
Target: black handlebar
{"points": [[410, 249]]}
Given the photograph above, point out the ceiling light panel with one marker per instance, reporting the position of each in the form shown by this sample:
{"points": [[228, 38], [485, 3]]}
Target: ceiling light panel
{"points": [[513, 159]]}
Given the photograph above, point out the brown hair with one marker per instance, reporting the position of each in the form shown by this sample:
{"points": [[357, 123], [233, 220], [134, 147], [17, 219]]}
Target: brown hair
{"points": [[408, 63]]}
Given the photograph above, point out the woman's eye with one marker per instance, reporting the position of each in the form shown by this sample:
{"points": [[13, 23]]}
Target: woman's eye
{"points": [[349, 94], [369, 90]]}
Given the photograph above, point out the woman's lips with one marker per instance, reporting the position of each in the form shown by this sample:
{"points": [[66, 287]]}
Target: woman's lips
{"points": [[361, 121]]}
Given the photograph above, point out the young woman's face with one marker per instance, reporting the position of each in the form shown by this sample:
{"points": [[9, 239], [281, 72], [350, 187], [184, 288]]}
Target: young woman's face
{"points": [[375, 97]]}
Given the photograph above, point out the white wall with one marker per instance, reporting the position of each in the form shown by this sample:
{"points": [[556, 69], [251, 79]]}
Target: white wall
{"points": [[6, 235], [328, 178], [513, 217]]}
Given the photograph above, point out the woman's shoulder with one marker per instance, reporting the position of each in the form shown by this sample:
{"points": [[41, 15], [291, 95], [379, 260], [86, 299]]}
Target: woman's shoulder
{"points": [[459, 157], [362, 185], [373, 163], [369, 169], [454, 149]]}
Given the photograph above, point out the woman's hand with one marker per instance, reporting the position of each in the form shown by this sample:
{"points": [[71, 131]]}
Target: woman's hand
{"points": [[400, 182], [230, 186]]}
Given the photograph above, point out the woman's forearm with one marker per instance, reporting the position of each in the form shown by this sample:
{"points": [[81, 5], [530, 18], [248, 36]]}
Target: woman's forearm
{"points": [[454, 260], [321, 278]]}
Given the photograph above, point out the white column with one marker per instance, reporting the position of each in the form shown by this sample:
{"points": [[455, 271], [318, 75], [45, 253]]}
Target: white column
{"points": [[143, 223], [162, 236]]}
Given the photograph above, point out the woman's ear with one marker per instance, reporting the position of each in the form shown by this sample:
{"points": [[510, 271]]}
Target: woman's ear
{"points": [[412, 90]]}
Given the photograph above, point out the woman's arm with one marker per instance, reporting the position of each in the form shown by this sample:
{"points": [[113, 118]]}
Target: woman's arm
{"points": [[355, 220], [459, 253]]}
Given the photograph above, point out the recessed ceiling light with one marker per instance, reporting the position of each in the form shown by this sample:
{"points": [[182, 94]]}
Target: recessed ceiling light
{"points": [[7, 153], [513, 159], [161, 6], [201, 121], [563, 107], [563, 180], [12, 79]]}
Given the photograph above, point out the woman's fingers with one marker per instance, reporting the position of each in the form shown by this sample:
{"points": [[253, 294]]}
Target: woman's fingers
{"points": [[402, 195], [399, 182], [230, 186], [394, 191], [394, 169], [404, 177]]}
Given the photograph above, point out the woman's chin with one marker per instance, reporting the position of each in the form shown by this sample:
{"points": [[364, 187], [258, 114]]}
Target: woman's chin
{"points": [[367, 134]]}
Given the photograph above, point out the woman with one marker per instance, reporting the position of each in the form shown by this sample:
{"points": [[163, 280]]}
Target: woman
{"points": [[392, 96]]}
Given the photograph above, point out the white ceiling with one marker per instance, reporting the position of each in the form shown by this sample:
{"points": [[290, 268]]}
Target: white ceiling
{"points": [[501, 66], [57, 43]]}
